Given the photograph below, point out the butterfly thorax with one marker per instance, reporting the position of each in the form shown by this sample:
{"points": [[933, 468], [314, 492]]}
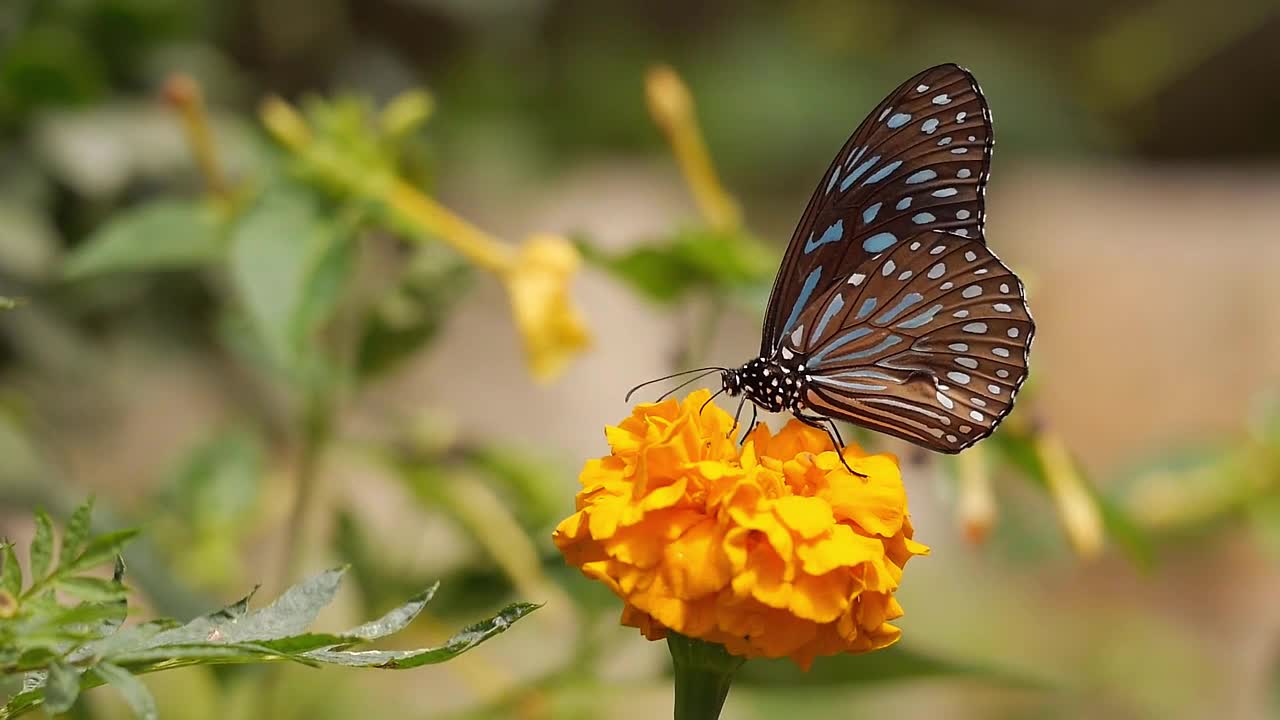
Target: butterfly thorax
{"points": [[772, 385]]}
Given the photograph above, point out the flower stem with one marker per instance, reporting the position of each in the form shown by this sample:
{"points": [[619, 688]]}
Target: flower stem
{"points": [[671, 106], [703, 673], [183, 93]]}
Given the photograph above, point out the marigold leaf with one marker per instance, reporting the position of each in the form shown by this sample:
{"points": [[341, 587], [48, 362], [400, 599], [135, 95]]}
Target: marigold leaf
{"points": [[99, 550], [93, 589], [41, 546], [131, 688], [11, 572], [468, 638], [76, 533], [61, 688]]}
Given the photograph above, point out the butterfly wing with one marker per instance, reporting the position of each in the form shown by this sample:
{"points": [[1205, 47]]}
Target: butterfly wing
{"points": [[927, 341], [918, 162]]}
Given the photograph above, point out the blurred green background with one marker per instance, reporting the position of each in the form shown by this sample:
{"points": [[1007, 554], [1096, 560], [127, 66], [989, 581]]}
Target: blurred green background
{"points": [[200, 353]]}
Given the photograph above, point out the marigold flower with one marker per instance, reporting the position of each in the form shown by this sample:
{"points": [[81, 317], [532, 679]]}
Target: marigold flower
{"points": [[773, 551]]}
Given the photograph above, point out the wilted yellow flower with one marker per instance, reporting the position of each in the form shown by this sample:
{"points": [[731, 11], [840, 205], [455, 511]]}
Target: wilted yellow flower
{"points": [[777, 551], [538, 283]]}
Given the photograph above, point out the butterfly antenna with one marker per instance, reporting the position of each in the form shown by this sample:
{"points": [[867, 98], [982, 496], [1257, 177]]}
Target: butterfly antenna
{"points": [[708, 402], [666, 394], [669, 377]]}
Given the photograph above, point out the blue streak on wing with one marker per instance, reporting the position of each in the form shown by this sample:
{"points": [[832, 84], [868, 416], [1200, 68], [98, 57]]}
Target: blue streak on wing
{"points": [[810, 283], [831, 234], [849, 385], [921, 218], [857, 172], [870, 352], [883, 173], [871, 374], [837, 302], [907, 301], [867, 306], [835, 175], [923, 318], [870, 213], [879, 242], [839, 343], [920, 176], [903, 204], [898, 120]]}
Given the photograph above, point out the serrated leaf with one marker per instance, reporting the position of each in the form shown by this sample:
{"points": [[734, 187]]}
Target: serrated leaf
{"points": [[100, 550], [291, 614], [62, 687], [11, 573], [77, 532], [134, 692], [92, 589], [163, 235], [405, 659], [396, 620], [41, 546]]}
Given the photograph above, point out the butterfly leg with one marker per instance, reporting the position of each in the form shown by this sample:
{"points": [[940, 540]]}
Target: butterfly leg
{"points": [[754, 414], [829, 426]]}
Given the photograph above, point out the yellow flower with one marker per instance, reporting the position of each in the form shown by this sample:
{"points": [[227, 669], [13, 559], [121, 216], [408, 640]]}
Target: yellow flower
{"points": [[538, 283], [776, 551], [536, 274]]}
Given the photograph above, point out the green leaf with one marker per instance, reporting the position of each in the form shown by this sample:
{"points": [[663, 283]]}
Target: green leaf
{"points": [[92, 589], [396, 620], [42, 546], [163, 235], [100, 550], [11, 572], [410, 316], [291, 614], [134, 692], [668, 270], [77, 532], [405, 659], [893, 664], [62, 687], [286, 262]]}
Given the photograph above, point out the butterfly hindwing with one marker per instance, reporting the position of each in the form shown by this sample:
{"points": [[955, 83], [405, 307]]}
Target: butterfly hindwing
{"points": [[918, 162], [927, 341]]}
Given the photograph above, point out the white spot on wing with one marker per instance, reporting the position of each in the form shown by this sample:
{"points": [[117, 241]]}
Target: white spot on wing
{"points": [[856, 279], [959, 377], [977, 328]]}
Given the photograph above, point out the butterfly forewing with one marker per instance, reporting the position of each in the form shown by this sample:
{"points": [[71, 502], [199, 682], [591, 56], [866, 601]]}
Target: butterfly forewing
{"points": [[927, 341], [919, 162]]}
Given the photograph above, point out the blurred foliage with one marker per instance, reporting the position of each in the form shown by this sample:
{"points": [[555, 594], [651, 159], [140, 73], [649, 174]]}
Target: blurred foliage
{"points": [[58, 650], [297, 256]]}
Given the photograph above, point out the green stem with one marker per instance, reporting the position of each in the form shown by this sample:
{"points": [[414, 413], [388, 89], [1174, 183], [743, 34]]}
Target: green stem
{"points": [[317, 423], [703, 673]]}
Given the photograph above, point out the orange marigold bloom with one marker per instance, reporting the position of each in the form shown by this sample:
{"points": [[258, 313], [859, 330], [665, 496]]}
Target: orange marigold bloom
{"points": [[774, 551]]}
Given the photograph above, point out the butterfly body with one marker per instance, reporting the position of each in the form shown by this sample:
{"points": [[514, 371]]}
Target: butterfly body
{"points": [[889, 311], [772, 385]]}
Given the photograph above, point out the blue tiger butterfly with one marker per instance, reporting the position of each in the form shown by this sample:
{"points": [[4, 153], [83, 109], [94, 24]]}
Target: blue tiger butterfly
{"points": [[889, 311]]}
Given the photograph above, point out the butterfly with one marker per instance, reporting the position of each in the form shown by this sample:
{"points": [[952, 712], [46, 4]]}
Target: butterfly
{"points": [[889, 311]]}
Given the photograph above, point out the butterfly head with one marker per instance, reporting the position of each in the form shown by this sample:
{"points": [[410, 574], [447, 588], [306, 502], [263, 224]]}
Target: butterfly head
{"points": [[771, 385]]}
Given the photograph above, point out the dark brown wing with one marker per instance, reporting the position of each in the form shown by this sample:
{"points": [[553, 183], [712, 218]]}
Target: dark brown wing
{"points": [[928, 341], [918, 162]]}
